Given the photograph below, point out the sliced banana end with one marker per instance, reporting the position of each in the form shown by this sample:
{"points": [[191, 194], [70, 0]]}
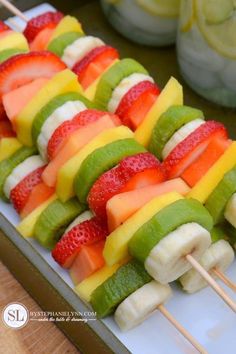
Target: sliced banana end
{"points": [[140, 304], [230, 211], [219, 255], [166, 262]]}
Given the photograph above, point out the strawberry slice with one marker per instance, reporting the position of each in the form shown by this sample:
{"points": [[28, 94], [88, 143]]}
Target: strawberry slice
{"points": [[24, 68], [186, 152], [85, 233], [6, 129], [20, 194], [47, 20], [3, 115], [136, 103], [94, 63], [133, 172], [3, 27]]}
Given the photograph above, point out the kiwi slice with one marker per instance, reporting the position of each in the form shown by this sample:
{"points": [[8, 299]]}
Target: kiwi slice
{"points": [[167, 220], [217, 234], [54, 220], [217, 201], [113, 77], [168, 123], [51, 106], [8, 53], [59, 44], [100, 161], [127, 279], [8, 165]]}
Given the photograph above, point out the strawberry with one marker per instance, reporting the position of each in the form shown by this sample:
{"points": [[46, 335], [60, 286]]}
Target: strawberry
{"points": [[3, 27], [85, 233], [105, 54], [3, 115], [142, 95], [24, 68], [6, 129], [37, 24], [186, 152], [132, 172], [20, 194]]}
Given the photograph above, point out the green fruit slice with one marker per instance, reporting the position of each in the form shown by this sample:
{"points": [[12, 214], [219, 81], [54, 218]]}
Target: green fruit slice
{"points": [[127, 279], [164, 8], [167, 220], [59, 44], [54, 220], [55, 103], [8, 53], [230, 233], [217, 234], [169, 122], [113, 77], [217, 201], [7, 166], [102, 160]]}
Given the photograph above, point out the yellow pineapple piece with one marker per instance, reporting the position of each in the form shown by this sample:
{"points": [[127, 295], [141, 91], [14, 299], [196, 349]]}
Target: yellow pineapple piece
{"points": [[8, 146], [26, 226], [202, 190], [116, 246], [14, 40], [172, 94], [63, 82], [67, 174], [67, 24]]}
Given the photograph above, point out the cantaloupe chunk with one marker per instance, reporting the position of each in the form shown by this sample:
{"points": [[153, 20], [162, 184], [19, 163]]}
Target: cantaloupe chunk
{"points": [[63, 82], [67, 24], [116, 246], [172, 94], [26, 226], [88, 261], [122, 206], [202, 190], [42, 39], [66, 175], [8, 146], [14, 40], [5, 33], [76, 142], [21, 96], [90, 92]]}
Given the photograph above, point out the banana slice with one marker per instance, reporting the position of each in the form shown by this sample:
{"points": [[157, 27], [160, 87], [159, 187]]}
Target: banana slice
{"points": [[140, 304], [124, 86], [166, 261], [230, 211], [180, 135], [79, 48], [219, 255], [20, 172], [87, 215], [65, 112]]}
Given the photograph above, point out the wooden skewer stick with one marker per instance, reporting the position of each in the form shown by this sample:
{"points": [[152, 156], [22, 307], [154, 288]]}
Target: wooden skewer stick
{"points": [[13, 10], [211, 282], [181, 329], [224, 279]]}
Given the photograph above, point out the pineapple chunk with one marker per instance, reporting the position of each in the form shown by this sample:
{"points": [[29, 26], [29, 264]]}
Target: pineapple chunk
{"points": [[14, 40], [67, 24], [8, 146]]}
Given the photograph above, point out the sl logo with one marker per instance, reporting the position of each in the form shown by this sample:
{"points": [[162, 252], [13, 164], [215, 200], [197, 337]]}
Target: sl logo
{"points": [[15, 315]]}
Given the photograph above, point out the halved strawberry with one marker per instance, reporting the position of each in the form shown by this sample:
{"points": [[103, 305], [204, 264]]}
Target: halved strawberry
{"points": [[85, 233], [136, 103], [38, 23], [4, 27], [94, 63], [24, 68], [3, 115], [20, 194], [132, 173], [186, 152], [6, 129]]}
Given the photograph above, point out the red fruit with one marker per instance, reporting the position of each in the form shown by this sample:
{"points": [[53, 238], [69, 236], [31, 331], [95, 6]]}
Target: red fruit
{"points": [[133, 172], [6, 129], [85, 233], [20, 194], [3, 115], [37, 24], [3, 27], [103, 55], [24, 68], [186, 152], [136, 103]]}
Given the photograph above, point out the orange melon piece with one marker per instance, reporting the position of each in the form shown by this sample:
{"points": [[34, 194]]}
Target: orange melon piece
{"points": [[15, 100], [5, 33], [42, 39], [74, 143], [120, 207], [88, 261], [38, 196]]}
